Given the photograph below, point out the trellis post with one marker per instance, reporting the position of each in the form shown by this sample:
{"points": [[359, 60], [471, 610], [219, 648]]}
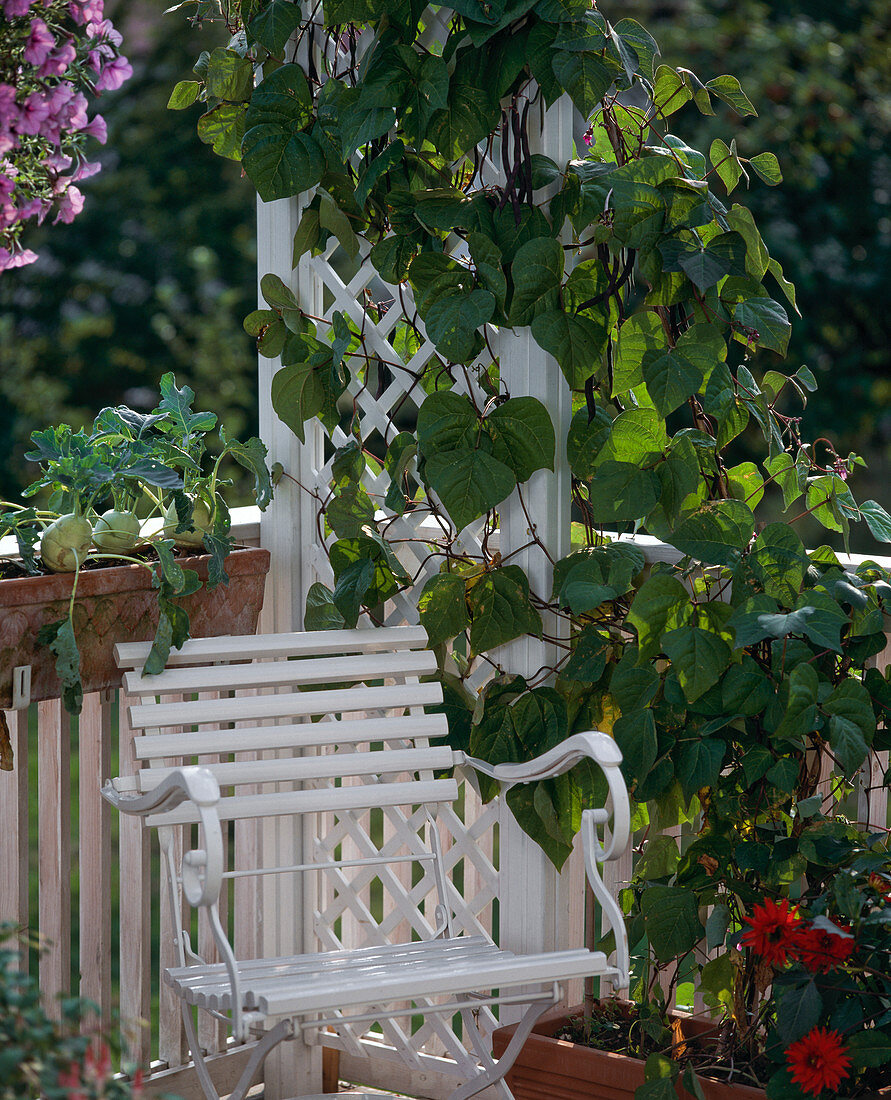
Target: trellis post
{"points": [[286, 530], [539, 908]]}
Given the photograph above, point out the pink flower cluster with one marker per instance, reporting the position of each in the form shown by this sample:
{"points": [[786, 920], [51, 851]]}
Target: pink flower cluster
{"points": [[52, 52]]}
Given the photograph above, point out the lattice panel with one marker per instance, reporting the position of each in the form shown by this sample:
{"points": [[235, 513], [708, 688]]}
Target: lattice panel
{"points": [[401, 397], [367, 908]]}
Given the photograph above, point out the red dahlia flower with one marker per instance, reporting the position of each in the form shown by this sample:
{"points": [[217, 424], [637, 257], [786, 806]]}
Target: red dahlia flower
{"points": [[821, 949], [772, 932], [818, 1061]]}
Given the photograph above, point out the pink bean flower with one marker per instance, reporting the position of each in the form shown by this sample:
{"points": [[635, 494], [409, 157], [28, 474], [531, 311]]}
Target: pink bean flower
{"points": [[69, 206], [75, 112], [45, 119], [40, 43], [86, 11], [33, 113], [96, 128], [12, 8], [58, 162], [104, 29], [87, 169], [8, 109], [113, 75], [58, 61], [10, 259]]}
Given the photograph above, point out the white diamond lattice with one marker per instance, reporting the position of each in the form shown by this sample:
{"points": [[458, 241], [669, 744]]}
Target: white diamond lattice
{"points": [[373, 907]]}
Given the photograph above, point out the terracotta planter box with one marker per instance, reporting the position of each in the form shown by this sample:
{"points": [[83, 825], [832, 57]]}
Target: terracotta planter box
{"points": [[116, 604], [553, 1069]]}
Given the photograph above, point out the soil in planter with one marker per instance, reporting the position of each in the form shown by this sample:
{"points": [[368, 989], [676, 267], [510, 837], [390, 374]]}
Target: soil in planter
{"points": [[622, 1028]]}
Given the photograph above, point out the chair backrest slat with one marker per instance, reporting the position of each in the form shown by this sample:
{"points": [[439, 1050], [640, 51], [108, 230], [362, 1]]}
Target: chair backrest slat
{"points": [[292, 673], [329, 799], [310, 643], [299, 736], [250, 708], [305, 768]]}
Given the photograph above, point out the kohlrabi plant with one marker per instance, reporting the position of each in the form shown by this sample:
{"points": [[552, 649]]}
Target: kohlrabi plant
{"points": [[134, 489]]}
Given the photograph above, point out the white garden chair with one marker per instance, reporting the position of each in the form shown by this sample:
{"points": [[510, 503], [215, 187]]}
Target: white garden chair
{"points": [[352, 746]]}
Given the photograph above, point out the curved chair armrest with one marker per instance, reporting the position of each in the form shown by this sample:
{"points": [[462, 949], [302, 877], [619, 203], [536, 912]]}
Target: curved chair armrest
{"points": [[604, 751], [202, 870], [594, 746], [193, 784]]}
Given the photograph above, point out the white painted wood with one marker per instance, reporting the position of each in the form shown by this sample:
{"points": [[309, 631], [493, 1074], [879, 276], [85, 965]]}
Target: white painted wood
{"points": [[310, 643], [526, 370], [245, 895], [15, 846], [172, 1045], [94, 851], [285, 530], [344, 670], [54, 851], [182, 1081], [304, 735], [304, 768], [135, 913], [336, 799], [379, 1066], [372, 812], [244, 708], [874, 802], [340, 980]]}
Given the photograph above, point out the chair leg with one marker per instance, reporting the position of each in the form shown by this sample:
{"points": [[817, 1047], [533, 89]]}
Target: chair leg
{"points": [[494, 1070], [284, 1029], [270, 1039], [204, 1078]]}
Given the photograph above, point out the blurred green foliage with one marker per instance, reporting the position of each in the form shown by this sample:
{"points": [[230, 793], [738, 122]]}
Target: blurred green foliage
{"points": [[158, 271], [818, 74], [155, 275]]}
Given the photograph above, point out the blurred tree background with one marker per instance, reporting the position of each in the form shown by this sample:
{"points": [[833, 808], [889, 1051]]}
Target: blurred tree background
{"points": [[818, 73], [158, 271]]}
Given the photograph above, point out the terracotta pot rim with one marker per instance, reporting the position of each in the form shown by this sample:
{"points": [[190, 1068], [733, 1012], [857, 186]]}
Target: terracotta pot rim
{"points": [[20, 591]]}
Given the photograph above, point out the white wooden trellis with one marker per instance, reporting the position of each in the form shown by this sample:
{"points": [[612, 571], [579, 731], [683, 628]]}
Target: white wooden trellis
{"points": [[537, 910]]}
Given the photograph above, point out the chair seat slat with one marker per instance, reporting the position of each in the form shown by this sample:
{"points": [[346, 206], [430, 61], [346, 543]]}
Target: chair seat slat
{"points": [[297, 704], [246, 647], [324, 670], [190, 977], [331, 766], [503, 971], [300, 735], [351, 978], [333, 799]]}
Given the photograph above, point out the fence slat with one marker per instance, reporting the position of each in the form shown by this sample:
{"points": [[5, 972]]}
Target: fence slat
{"points": [[94, 751], [135, 912], [14, 847], [54, 850], [171, 1034]]}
